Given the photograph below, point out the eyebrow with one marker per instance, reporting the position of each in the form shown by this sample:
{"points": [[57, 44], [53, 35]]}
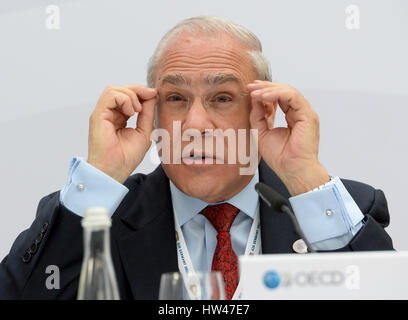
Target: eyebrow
{"points": [[212, 80], [217, 79], [176, 80]]}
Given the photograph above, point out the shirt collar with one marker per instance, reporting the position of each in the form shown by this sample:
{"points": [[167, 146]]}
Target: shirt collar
{"points": [[187, 207]]}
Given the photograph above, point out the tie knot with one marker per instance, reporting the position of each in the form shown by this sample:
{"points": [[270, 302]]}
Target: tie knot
{"points": [[221, 216]]}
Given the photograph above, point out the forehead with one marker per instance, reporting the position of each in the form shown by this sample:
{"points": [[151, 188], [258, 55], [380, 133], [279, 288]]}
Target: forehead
{"points": [[189, 60]]}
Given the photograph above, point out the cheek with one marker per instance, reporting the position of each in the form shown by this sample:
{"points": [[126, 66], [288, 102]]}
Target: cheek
{"points": [[236, 120], [162, 121]]}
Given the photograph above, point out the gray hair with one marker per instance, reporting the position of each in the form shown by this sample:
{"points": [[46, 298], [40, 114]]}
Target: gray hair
{"points": [[207, 25]]}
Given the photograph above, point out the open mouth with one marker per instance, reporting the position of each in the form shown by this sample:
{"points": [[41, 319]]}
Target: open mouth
{"points": [[199, 158], [193, 157]]}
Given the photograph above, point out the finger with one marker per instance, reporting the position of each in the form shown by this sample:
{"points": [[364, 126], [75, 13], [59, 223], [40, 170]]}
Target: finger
{"points": [[260, 95], [133, 96], [270, 112], [257, 117], [263, 89], [145, 118], [286, 98], [119, 119], [263, 84], [254, 86], [143, 93], [124, 103], [114, 116]]}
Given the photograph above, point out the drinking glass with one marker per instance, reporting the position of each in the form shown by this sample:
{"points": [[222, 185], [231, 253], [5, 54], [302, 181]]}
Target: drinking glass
{"points": [[192, 286]]}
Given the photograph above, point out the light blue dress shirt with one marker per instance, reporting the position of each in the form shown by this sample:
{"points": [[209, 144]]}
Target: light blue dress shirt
{"points": [[328, 217], [199, 233]]}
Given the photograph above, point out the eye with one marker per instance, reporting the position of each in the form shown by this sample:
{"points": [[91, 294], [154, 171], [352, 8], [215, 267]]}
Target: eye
{"points": [[222, 99], [175, 98]]}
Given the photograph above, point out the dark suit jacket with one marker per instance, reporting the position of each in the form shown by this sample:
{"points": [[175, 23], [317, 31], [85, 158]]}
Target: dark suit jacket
{"points": [[143, 239]]}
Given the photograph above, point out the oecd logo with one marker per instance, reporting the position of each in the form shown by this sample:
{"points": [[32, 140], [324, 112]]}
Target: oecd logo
{"points": [[348, 278], [272, 279]]}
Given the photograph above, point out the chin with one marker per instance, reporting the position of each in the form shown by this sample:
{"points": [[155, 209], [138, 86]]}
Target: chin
{"points": [[210, 183]]}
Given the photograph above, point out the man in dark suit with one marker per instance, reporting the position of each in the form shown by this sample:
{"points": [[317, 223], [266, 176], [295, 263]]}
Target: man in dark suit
{"points": [[207, 76]]}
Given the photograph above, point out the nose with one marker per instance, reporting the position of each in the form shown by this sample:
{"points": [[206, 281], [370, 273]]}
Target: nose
{"points": [[197, 117]]}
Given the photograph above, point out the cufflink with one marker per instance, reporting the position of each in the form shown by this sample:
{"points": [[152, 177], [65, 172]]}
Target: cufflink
{"points": [[299, 246]]}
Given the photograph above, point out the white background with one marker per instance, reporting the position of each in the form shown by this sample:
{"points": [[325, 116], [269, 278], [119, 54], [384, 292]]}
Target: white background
{"points": [[50, 81]]}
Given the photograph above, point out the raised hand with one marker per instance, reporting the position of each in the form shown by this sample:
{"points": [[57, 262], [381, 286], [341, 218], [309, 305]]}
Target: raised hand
{"points": [[291, 152], [113, 148]]}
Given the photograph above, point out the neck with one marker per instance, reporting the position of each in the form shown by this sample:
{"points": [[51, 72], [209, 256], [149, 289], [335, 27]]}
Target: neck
{"points": [[230, 192]]}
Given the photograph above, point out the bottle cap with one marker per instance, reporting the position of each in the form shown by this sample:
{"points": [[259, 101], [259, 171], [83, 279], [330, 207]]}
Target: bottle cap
{"points": [[96, 217]]}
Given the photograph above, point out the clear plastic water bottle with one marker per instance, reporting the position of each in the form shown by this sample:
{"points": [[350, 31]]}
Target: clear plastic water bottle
{"points": [[97, 280]]}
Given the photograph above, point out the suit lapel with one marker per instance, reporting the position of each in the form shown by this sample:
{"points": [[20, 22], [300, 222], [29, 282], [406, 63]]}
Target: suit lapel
{"points": [[145, 234], [277, 231], [143, 229]]}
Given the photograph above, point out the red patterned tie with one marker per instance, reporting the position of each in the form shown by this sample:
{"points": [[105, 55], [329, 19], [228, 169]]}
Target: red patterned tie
{"points": [[225, 260]]}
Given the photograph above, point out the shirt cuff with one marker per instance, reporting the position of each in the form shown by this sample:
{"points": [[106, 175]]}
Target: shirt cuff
{"points": [[89, 187], [328, 217]]}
